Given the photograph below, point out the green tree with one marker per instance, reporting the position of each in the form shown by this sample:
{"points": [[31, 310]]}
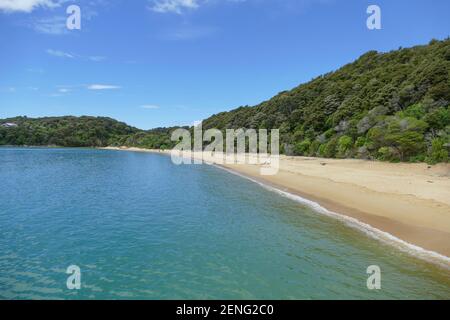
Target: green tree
{"points": [[345, 145], [438, 152], [302, 148]]}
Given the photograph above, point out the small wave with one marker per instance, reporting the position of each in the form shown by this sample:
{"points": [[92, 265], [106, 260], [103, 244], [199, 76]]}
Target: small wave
{"points": [[385, 237]]}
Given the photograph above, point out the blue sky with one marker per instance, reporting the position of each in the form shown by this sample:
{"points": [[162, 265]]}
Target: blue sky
{"points": [[172, 62]]}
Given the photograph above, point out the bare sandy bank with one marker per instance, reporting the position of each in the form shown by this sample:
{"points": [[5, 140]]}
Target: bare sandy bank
{"points": [[409, 201]]}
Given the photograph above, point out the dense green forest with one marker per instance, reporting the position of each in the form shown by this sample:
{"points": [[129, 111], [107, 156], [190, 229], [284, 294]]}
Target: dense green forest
{"points": [[388, 106], [63, 131], [79, 132]]}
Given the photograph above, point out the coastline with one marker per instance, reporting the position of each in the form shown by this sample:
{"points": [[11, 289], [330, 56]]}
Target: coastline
{"points": [[406, 204]]}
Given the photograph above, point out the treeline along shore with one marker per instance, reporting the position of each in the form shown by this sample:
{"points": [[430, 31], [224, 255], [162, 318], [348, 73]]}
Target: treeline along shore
{"points": [[384, 106]]}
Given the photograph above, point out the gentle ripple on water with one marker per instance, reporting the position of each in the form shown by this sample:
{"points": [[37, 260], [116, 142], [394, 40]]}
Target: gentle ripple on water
{"points": [[140, 227]]}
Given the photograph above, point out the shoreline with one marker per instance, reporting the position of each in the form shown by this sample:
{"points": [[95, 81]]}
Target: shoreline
{"points": [[414, 219]]}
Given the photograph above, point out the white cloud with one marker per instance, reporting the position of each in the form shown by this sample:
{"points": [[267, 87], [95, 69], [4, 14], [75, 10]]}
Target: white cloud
{"points": [[26, 5], [174, 6], [179, 6], [102, 87], [97, 58], [150, 107], [60, 54], [64, 90], [51, 25], [63, 54], [8, 89]]}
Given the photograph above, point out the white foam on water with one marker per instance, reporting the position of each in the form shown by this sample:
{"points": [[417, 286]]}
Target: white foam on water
{"points": [[385, 237], [367, 229]]}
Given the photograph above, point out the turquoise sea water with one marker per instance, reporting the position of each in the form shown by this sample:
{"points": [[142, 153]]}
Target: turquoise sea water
{"points": [[140, 227]]}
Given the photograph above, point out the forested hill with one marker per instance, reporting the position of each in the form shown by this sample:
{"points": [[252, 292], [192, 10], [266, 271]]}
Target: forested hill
{"points": [[83, 131], [388, 106], [63, 131]]}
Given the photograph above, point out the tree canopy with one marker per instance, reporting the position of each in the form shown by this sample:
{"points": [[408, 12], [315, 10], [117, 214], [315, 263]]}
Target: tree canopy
{"points": [[389, 106]]}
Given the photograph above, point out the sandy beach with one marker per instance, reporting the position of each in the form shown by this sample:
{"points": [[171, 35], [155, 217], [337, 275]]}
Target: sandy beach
{"points": [[408, 201]]}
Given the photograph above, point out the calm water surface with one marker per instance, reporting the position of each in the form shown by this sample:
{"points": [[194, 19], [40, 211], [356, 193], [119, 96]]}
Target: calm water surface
{"points": [[140, 227]]}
